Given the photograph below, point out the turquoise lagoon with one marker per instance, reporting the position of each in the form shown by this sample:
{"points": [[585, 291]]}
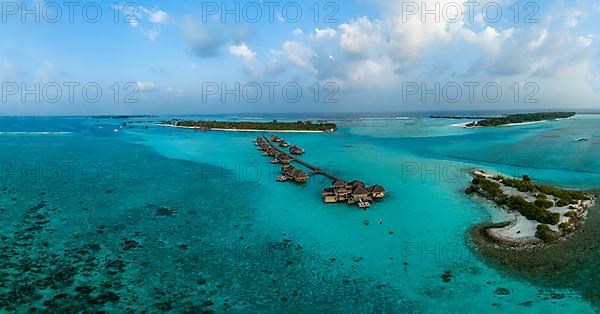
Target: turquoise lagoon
{"points": [[165, 219]]}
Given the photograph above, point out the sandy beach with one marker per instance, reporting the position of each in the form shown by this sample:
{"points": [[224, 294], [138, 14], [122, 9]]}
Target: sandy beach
{"points": [[520, 231], [524, 123], [464, 124]]}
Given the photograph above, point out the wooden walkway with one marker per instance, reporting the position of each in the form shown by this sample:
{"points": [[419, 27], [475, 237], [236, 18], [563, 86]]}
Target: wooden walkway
{"points": [[304, 163]]}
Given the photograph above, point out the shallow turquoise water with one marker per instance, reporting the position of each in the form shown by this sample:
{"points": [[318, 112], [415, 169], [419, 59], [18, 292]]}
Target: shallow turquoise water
{"points": [[195, 220]]}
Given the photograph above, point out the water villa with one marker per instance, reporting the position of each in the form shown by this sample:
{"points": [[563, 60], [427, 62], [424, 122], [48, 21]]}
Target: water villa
{"points": [[275, 138], [353, 192], [294, 174], [296, 150]]}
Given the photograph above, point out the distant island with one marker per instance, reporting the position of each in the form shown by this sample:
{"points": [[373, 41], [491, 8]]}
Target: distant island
{"points": [[464, 117], [520, 118], [540, 213], [250, 126]]}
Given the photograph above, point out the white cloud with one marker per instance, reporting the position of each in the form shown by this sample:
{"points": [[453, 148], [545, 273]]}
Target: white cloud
{"points": [[134, 16], [298, 32], [146, 85], [370, 73], [572, 18], [540, 40], [586, 41], [159, 17], [360, 36], [298, 54], [242, 51], [379, 53], [489, 38], [324, 33]]}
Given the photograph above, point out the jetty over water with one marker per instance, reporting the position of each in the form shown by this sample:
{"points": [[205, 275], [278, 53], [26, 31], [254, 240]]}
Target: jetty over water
{"points": [[302, 162], [352, 193]]}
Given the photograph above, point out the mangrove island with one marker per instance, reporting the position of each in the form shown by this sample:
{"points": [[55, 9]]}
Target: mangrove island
{"points": [[540, 213]]}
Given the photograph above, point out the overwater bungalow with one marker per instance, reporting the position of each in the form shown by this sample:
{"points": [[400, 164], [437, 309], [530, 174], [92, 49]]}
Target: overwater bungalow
{"points": [[377, 191], [296, 150], [355, 183], [341, 187], [275, 138], [294, 174], [330, 196], [352, 193], [360, 193]]}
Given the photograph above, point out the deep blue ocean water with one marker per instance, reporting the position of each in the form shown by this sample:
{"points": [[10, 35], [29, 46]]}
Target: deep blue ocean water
{"points": [[145, 217]]}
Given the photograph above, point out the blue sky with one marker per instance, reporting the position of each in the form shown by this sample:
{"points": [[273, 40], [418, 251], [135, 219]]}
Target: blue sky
{"points": [[370, 55]]}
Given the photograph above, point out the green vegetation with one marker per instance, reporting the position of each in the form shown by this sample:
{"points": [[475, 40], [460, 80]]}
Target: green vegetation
{"points": [[520, 118], [537, 210], [492, 189], [566, 197], [247, 125], [565, 227], [544, 233], [533, 211], [570, 214], [544, 203]]}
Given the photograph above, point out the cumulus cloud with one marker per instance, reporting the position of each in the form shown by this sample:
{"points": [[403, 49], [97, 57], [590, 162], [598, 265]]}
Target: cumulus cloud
{"points": [[242, 51], [538, 41], [324, 33], [298, 54], [370, 53], [360, 36], [298, 32]]}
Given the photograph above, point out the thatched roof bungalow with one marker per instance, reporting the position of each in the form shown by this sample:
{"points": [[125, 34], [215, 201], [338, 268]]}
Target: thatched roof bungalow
{"points": [[296, 150], [295, 174], [377, 191], [356, 183], [361, 193]]}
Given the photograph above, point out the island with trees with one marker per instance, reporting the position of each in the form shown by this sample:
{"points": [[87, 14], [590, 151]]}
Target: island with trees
{"points": [[521, 118], [540, 213], [251, 126]]}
